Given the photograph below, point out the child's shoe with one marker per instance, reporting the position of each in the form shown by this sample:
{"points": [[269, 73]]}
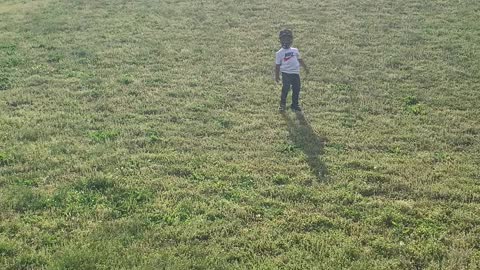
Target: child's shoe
{"points": [[282, 108]]}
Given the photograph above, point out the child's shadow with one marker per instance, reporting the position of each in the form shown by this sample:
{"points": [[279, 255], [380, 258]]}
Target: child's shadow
{"points": [[305, 138]]}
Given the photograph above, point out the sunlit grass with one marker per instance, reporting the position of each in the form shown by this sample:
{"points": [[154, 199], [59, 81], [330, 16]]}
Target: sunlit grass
{"points": [[145, 135]]}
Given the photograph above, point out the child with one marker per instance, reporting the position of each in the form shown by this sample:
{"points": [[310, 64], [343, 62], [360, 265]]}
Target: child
{"points": [[288, 61]]}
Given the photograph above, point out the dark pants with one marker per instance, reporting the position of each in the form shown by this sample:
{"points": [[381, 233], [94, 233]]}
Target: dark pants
{"points": [[292, 80]]}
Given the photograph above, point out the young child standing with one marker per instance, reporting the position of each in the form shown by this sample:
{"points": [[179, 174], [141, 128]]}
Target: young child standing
{"points": [[288, 62]]}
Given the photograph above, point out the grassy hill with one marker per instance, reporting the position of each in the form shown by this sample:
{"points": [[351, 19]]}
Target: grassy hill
{"points": [[144, 135]]}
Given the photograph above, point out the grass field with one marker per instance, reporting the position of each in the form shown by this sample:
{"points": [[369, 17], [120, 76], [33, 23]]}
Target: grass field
{"points": [[145, 135]]}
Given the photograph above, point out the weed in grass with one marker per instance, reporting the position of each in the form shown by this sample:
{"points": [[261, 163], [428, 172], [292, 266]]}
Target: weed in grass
{"points": [[5, 158], [287, 148], [281, 179], [269, 209], [246, 181], [8, 48], [5, 82], [126, 201], [13, 61], [418, 109], [154, 136], [440, 157], [343, 87], [7, 248], [411, 100], [224, 123], [103, 136], [126, 80], [26, 182], [413, 105]]}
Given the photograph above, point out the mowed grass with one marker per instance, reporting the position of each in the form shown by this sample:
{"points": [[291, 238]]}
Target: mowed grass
{"points": [[144, 135]]}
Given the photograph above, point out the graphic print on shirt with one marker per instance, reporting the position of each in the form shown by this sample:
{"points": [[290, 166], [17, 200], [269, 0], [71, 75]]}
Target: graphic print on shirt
{"points": [[287, 57]]}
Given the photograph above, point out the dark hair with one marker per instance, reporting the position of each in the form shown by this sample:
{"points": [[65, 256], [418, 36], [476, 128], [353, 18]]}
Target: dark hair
{"points": [[285, 33]]}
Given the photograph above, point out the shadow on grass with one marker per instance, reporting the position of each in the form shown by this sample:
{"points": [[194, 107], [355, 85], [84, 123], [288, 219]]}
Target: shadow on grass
{"points": [[305, 138]]}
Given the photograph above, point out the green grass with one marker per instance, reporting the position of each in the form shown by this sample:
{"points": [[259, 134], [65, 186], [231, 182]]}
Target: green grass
{"points": [[144, 135]]}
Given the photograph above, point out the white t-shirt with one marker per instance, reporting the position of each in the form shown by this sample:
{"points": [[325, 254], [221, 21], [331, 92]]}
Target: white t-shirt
{"points": [[288, 60]]}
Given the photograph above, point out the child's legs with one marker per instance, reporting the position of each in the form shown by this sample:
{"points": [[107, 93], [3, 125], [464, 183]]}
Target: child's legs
{"points": [[286, 81], [295, 81]]}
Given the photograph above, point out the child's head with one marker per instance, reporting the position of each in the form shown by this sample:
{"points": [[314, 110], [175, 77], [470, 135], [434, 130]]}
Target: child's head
{"points": [[286, 38]]}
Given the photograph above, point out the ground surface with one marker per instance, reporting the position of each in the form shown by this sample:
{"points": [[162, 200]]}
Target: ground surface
{"points": [[144, 135]]}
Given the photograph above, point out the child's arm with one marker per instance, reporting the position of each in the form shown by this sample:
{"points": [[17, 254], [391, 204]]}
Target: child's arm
{"points": [[277, 73], [302, 63]]}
